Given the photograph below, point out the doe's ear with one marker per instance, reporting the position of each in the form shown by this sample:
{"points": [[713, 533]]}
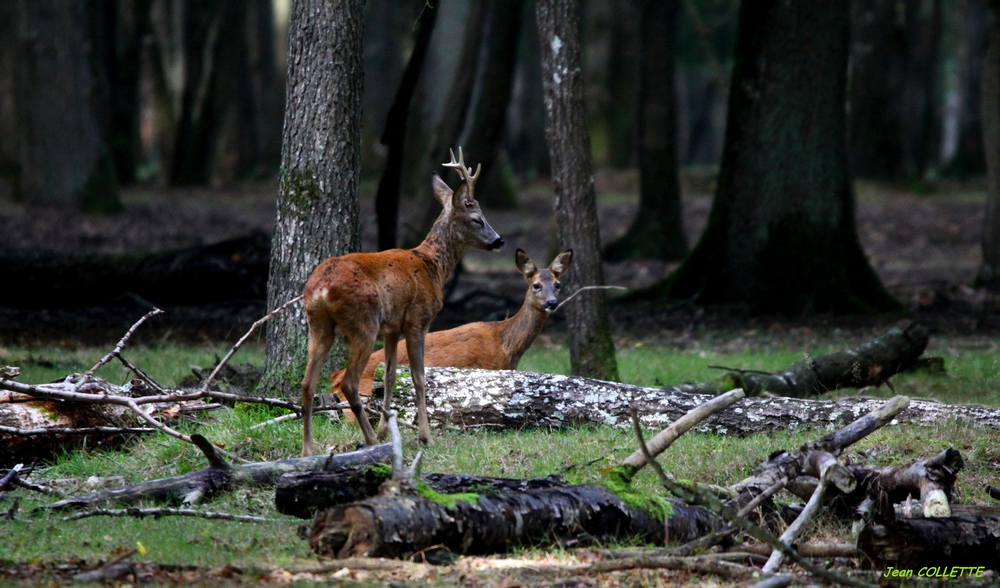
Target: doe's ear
{"points": [[441, 190], [524, 264], [561, 263]]}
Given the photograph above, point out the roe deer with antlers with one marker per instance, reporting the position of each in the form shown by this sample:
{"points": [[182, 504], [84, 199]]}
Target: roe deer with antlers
{"points": [[393, 294], [496, 345]]}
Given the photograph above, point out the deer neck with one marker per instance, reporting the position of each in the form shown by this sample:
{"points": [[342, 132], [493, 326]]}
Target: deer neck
{"points": [[519, 331], [441, 249]]}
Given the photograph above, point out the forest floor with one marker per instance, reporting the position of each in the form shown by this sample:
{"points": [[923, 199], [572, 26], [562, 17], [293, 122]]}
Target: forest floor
{"points": [[924, 245]]}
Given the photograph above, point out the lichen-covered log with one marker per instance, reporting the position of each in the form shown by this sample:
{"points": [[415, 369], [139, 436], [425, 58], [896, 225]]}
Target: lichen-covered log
{"points": [[869, 364], [304, 494], [221, 477], [515, 399], [399, 526], [945, 541]]}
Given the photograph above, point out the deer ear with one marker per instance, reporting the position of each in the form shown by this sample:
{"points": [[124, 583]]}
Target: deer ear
{"points": [[561, 263], [441, 190], [462, 198], [524, 264]]}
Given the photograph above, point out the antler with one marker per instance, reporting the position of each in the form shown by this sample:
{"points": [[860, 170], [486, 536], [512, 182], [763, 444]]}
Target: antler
{"points": [[466, 173]]}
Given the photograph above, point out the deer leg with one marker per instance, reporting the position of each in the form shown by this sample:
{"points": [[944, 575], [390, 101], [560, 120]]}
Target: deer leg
{"points": [[415, 349], [361, 348], [391, 344], [321, 337]]}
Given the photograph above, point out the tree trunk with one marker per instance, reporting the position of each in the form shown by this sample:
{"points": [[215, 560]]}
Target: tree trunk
{"points": [[657, 231], [944, 542], [526, 117], [969, 158], [118, 28], [449, 127], [320, 164], [387, 197], [592, 352], [989, 272], [489, 100], [620, 109], [62, 154], [781, 236], [387, 27]]}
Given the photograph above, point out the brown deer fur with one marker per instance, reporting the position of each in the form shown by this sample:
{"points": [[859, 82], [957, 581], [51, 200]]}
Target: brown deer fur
{"points": [[495, 345], [391, 294]]}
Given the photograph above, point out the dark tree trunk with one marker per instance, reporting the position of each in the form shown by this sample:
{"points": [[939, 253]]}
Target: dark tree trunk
{"points": [[989, 272], [387, 197], [619, 104], [969, 158], [526, 116], [893, 100], [449, 128], [320, 170], [943, 542], [387, 27], [657, 231], [490, 96], [62, 156], [592, 352], [118, 28], [781, 235]]}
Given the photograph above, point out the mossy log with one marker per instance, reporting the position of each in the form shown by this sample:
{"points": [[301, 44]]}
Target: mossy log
{"points": [[515, 399], [220, 476], [304, 494], [402, 525], [946, 542], [231, 270]]}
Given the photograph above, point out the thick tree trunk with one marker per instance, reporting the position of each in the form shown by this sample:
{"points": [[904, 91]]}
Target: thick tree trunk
{"points": [[394, 136], [525, 133], [657, 231], [118, 28], [989, 272], [781, 235], [970, 158], [62, 154], [513, 399], [220, 476], [489, 100], [592, 352], [619, 108], [320, 167]]}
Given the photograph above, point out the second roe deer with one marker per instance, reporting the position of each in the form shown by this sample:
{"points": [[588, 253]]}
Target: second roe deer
{"points": [[393, 294], [496, 345]]}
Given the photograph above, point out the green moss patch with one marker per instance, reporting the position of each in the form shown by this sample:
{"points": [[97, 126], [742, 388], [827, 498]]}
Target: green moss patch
{"points": [[448, 500], [619, 481]]}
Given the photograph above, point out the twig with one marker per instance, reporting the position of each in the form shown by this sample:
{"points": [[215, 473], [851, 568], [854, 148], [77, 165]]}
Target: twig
{"points": [[121, 344], [741, 370], [71, 431], [253, 328], [792, 532], [293, 416], [706, 499], [10, 476], [775, 582], [17, 481], [112, 570], [166, 511], [573, 295]]}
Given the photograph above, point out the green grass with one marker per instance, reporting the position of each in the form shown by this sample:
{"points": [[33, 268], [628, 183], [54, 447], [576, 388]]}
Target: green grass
{"points": [[580, 453]]}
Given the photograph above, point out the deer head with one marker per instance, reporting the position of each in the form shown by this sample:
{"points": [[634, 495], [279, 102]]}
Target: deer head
{"points": [[461, 208], [544, 283]]}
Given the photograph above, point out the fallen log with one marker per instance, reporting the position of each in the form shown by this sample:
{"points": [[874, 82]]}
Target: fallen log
{"points": [[945, 542], [220, 476], [516, 399], [304, 494], [230, 270]]}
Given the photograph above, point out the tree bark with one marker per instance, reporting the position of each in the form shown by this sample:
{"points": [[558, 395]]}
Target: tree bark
{"points": [[514, 399], [592, 352], [781, 235], [62, 153], [946, 542], [387, 197], [220, 476], [970, 158], [525, 130], [989, 272], [320, 166], [657, 230]]}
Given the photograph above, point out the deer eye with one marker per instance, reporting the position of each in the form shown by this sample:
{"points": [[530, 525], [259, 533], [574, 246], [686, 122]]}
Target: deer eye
{"points": [[536, 286], [558, 285], [478, 222]]}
